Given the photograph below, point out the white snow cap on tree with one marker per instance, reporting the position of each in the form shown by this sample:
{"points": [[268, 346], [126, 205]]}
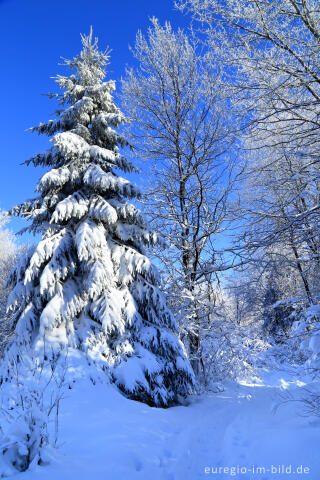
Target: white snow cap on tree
{"points": [[89, 285]]}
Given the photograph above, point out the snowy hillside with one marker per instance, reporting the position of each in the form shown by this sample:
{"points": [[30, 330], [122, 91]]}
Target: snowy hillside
{"points": [[165, 322], [105, 436]]}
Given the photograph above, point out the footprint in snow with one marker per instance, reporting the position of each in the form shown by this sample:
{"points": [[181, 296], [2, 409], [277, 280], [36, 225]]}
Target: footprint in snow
{"points": [[236, 441]]}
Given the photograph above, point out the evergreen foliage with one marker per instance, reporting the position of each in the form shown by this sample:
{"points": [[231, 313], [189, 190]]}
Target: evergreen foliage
{"points": [[89, 285]]}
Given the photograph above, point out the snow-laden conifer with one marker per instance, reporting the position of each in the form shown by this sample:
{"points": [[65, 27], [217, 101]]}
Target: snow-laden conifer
{"points": [[89, 285]]}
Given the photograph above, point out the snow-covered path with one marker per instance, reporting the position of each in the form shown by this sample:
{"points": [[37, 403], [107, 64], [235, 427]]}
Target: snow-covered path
{"points": [[106, 437]]}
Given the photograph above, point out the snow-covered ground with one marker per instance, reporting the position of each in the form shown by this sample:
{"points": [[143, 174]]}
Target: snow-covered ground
{"points": [[104, 436]]}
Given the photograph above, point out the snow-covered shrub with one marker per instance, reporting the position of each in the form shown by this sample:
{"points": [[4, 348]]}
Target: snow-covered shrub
{"points": [[262, 310], [9, 255], [295, 335], [301, 351], [306, 334], [29, 412], [280, 317], [230, 349], [231, 352]]}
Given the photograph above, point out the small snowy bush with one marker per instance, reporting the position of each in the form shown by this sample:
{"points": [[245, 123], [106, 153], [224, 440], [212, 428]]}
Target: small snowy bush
{"points": [[29, 405], [294, 335], [280, 318], [230, 349], [231, 352]]}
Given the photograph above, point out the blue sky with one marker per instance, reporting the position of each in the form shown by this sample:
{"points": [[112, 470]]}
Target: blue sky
{"points": [[34, 35]]}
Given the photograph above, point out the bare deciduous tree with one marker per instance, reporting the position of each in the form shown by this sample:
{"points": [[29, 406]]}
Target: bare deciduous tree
{"points": [[270, 52], [180, 125]]}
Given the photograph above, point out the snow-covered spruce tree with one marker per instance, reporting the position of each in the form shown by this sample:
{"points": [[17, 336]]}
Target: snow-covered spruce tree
{"points": [[89, 285]]}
